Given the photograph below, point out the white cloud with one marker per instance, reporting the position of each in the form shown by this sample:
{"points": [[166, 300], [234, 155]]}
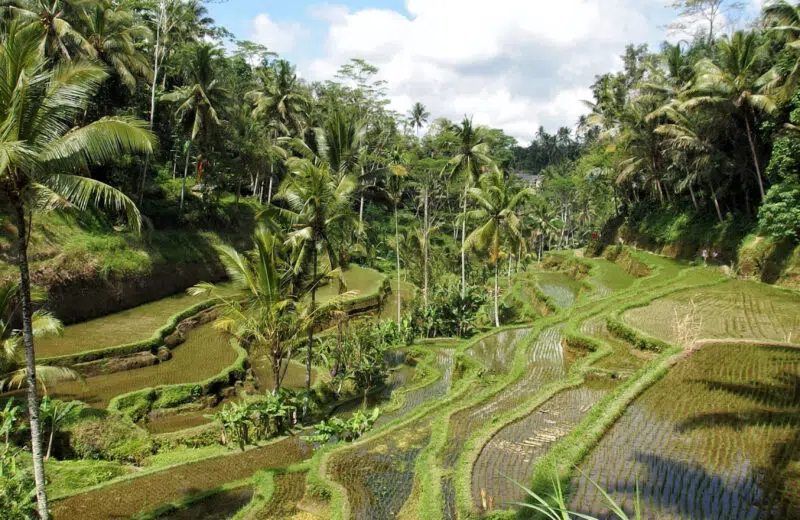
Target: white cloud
{"points": [[277, 36], [513, 64]]}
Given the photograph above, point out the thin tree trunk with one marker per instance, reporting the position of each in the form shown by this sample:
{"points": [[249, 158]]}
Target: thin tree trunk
{"points": [[425, 253], [310, 338], [496, 293], [156, 51], [716, 203], [463, 251], [510, 261], [755, 157], [694, 199], [30, 364], [185, 173], [269, 191], [174, 164], [50, 442], [239, 190], [361, 210], [397, 254]]}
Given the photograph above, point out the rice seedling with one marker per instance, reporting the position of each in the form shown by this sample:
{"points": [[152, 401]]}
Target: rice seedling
{"points": [[716, 438], [735, 309]]}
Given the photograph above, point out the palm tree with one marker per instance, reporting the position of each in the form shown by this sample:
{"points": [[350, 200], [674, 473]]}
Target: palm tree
{"points": [[784, 18], [394, 192], [40, 147], [113, 35], [418, 116], [279, 96], [735, 86], [471, 159], [197, 101], [497, 206], [317, 200], [13, 373], [263, 313], [53, 22]]}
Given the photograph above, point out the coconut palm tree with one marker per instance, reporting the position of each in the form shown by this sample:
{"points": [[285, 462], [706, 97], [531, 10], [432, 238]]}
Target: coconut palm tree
{"points": [[263, 313], [782, 17], [317, 200], [735, 86], [497, 206], [53, 22], [113, 35], [395, 189], [13, 373], [418, 116], [471, 159], [41, 148], [197, 101], [279, 96]]}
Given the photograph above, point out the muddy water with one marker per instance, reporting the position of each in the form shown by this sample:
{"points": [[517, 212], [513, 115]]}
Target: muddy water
{"points": [[546, 363], [496, 352]]}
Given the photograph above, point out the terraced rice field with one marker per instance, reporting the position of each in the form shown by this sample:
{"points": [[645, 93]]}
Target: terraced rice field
{"points": [[509, 456], [359, 279], [379, 475], [608, 277], [558, 286], [220, 506], [496, 352], [148, 492], [204, 354], [735, 309], [718, 437], [545, 363], [289, 489], [128, 326]]}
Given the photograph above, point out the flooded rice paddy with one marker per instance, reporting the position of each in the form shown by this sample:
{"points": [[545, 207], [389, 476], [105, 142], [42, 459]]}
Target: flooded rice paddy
{"points": [[734, 309], [205, 353], [718, 437], [129, 326], [558, 286]]}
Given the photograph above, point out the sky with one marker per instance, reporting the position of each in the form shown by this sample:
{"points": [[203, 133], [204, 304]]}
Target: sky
{"points": [[510, 64]]}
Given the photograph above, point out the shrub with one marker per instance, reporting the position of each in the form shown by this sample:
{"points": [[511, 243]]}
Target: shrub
{"points": [[779, 215], [17, 493], [98, 434]]}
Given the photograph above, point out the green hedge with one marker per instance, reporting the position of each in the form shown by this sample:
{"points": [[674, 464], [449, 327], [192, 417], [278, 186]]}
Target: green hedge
{"points": [[139, 403], [152, 343]]}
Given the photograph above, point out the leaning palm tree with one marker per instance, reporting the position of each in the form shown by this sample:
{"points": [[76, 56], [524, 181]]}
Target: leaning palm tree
{"points": [[316, 200], [13, 373], [41, 148], [197, 101], [497, 206], [114, 36], [418, 116], [471, 159], [735, 86]]}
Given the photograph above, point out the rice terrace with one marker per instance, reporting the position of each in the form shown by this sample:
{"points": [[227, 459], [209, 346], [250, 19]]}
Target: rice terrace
{"points": [[257, 263]]}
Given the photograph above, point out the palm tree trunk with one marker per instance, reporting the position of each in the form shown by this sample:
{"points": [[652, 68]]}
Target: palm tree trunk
{"points": [[397, 254], [174, 164], [269, 191], [496, 293], [755, 156], [50, 442], [361, 210], [463, 251], [716, 203], [185, 173], [307, 397], [510, 261], [425, 252], [30, 363], [694, 199]]}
